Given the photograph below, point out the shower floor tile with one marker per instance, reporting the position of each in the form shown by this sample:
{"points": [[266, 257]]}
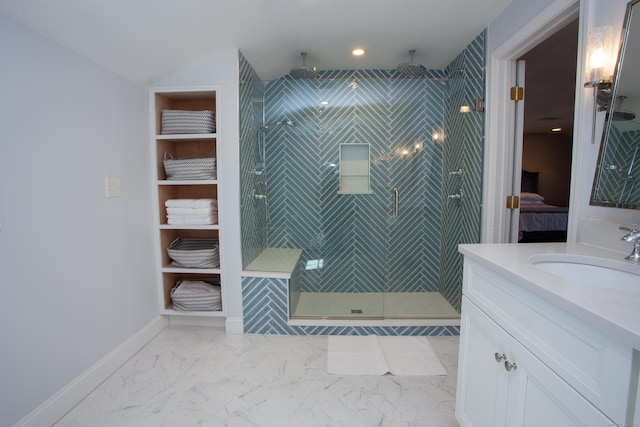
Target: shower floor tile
{"points": [[339, 304], [394, 305]]}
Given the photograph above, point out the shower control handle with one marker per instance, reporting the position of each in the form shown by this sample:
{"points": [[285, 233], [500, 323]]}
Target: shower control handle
{"points": [[456, 196], [396, 200], [257, 196]]}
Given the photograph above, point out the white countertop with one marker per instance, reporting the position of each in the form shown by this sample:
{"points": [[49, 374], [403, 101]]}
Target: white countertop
{"points": [[615, 312]]}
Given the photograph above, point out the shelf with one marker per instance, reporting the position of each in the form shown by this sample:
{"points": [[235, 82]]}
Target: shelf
{"points": [[189, 227], [185, 270], [191, 182], [187, 136], [173, 312]]}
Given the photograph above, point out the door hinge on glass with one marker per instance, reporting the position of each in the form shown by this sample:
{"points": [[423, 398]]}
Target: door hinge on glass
{"points": [[517, 93], [513, 202]]}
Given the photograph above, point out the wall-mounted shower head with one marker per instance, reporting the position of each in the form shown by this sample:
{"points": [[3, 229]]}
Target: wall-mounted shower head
{"points": [[303, 72], [452, 73], [411, 69]]}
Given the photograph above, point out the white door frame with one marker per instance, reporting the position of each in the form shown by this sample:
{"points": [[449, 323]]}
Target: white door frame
{"points": [[517, 138], [500, 115]]}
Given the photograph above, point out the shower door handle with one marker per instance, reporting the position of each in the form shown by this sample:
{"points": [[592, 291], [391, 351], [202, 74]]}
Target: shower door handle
{"points": [[396, 199]]}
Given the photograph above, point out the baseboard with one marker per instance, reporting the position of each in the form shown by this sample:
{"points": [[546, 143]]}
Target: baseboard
{"points": [[70, 395], [235, 325], [215, 322]]}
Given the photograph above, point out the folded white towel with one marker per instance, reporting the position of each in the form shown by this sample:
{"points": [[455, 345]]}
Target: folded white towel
{"points": [[199, 220], [190, 203], [192, 211]]}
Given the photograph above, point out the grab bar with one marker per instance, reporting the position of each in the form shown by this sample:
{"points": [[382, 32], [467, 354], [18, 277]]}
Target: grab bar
{"points": [[396, 197]]}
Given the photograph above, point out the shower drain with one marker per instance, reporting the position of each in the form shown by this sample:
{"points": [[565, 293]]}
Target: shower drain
{"points": [[356, 311]]}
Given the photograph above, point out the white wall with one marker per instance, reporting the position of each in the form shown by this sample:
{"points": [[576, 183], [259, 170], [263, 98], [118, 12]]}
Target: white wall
{"points": [[77, 268], [222, 70], [518, 14]]}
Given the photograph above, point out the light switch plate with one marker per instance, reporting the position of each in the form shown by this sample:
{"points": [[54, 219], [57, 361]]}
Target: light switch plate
{"points": [[112, 186]]}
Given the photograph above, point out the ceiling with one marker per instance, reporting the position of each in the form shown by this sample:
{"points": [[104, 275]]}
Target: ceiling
{"points": [[147, 40]]}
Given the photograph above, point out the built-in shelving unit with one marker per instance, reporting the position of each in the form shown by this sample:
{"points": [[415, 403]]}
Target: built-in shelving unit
{"points": [[183, 146]]}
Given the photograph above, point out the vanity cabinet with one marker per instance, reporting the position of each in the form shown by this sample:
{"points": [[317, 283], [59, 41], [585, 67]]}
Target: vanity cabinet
{"points": [[504, 384], [525, 362]]}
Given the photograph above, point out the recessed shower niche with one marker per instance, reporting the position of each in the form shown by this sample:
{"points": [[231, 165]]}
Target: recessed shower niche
{"points": [[354, 169]]}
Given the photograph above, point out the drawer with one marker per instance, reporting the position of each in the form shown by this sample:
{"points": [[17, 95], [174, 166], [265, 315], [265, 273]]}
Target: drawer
{"points": [[597, 367]]}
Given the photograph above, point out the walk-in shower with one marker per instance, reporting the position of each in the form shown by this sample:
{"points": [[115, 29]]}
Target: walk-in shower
{"points": [[359, 169]]}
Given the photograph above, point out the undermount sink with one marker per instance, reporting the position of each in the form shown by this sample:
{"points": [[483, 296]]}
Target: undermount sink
{"points": [[602, 272]]}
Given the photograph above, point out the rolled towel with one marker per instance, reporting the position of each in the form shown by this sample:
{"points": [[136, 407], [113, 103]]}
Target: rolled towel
{"points": [[192, 211], [190, 203]]}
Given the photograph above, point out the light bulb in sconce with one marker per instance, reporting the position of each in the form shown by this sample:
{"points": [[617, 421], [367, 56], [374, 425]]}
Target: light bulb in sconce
{"points": [[417, 146], [465, 109], [600, 60], [600, 64]]}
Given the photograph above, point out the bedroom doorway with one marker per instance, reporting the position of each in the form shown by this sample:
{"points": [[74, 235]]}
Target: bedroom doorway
{"points": [[543, 160]]}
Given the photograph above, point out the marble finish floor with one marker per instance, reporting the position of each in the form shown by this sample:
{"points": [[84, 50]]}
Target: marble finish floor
{"points": [[190, 376]]}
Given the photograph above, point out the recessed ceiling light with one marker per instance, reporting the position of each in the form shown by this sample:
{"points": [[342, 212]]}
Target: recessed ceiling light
{"points": [[556, 129], [358, 52]]}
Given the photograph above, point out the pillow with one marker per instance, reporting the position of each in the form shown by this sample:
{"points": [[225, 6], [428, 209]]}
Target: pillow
{"points": [[531, 197]]}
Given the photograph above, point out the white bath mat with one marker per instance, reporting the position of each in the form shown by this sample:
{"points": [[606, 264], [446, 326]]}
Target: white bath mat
{"points": [[378, 355]]}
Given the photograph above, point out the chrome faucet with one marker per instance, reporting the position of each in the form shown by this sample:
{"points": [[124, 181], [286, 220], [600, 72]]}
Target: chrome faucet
{"points": [[632, 236]]}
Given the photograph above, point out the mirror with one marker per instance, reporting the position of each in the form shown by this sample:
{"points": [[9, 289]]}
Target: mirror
{"points": [[617, 180]]}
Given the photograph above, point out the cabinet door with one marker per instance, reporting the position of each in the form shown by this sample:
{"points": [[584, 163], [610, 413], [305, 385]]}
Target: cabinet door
{"points": [[538, 397], [481, 393]]}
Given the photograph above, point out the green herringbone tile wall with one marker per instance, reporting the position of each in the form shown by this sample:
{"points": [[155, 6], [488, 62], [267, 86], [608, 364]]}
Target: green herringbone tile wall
{"points": [[363, 248]]}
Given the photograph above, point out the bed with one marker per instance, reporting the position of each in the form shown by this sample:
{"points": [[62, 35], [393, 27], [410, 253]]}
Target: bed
{"points": [[539, 221]]}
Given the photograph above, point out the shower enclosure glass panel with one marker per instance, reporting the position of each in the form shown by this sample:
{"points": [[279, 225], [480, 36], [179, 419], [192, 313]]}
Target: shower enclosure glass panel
{"points": [[390, 251], [362, 252]]}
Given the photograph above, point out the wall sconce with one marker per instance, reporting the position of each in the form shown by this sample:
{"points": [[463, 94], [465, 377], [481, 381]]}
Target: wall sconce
{"points": [[465, 109], [600, 62]]}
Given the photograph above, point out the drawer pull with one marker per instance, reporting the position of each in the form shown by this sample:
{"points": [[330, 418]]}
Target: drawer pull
{"points": [[510, 366], [500, 357]]}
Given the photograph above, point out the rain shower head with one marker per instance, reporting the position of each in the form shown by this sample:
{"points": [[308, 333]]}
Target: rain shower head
{"points": [[411, 69], [623, 116], [619, 115], [303, 72]]}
